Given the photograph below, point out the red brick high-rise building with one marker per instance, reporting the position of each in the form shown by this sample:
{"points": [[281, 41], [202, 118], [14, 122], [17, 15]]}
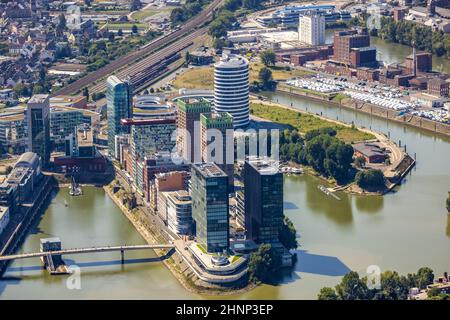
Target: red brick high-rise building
{"points": [[344, 41]]}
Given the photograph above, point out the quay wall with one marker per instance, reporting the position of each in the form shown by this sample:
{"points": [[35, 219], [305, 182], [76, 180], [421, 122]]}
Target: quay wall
{"points": [[378, 111], [18, 228]]}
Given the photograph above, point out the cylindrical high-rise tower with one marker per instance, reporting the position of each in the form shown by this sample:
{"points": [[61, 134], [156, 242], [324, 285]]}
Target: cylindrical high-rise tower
{"points": [[231, 88]]}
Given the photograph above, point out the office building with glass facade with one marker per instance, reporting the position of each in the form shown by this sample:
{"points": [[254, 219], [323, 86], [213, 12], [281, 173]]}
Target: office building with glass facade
{"points": [[118, 106], [217, 142], [209, 191], [263, 200], [38, 122]]}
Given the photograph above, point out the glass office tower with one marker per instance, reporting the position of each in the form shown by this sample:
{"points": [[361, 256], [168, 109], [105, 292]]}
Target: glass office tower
{"points": [[209, 190], [38, 122], [263, 200], [118, 106]]}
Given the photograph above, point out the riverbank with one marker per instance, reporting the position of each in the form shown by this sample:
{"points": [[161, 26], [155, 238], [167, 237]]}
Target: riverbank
{"points": [[21, 220], [372, 109], [400, 162], [175, 263]]}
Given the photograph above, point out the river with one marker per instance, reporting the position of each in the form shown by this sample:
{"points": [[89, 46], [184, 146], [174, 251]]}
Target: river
{"points": [[401, 231], [89, 220]]}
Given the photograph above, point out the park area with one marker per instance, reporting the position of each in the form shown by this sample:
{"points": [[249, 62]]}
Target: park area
{"points": [[203, 77], [148, 12], [305, 122]]}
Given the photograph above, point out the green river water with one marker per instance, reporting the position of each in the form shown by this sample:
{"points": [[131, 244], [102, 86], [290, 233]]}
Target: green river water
{"points": [[401, 231]]}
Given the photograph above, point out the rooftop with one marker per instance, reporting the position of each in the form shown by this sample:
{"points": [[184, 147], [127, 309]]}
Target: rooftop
{"points": [[38, 98], [18, 175], [143, 122], [231, 61], [437, 80], [85, 137], [209, 170], [114, 80], [179, 197], [419, 9], [265, 166], [368, 149], [66, 99], [216, 118]]}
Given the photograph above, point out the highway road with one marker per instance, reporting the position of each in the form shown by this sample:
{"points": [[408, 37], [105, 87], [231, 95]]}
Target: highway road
{"points": [[159, 45]]}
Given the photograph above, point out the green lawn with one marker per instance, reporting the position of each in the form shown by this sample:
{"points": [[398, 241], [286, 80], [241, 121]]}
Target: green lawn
{"points": [[202, 249], [203, 78], [143, 14], [196, 78], [235, 258], [305, 122], [125, 26]]}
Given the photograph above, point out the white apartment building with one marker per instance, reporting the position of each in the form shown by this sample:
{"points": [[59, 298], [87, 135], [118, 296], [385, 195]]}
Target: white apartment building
{"points": [[311, 29]]}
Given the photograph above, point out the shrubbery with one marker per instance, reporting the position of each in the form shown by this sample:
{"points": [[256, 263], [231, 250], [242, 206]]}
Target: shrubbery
{"points": [[264, 264], [372, 179], [321, 150], [392, 286]]}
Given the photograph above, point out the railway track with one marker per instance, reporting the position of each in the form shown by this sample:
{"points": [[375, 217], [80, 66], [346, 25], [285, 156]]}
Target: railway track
{"points": [[149, 49], [140, 66]]}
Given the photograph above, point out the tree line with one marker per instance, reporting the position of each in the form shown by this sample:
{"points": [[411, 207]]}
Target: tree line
{"points": [[227, 15], [391, 286], [189, 9], [407, 32], [321, 150], [329, 156]]}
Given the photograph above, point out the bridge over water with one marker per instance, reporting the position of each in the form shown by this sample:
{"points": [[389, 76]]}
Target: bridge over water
{"points": [[86, 250]]}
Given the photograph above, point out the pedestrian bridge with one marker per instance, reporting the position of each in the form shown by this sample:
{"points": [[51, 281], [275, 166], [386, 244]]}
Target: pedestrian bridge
{"points": [[87, 250]]}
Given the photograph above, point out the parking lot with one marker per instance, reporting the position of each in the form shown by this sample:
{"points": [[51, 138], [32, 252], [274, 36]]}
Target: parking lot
{"points": [[377, 94]]}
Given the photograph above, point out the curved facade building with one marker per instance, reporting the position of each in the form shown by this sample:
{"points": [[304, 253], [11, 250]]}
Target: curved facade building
{"points": [[231, 88], [151, 107]]}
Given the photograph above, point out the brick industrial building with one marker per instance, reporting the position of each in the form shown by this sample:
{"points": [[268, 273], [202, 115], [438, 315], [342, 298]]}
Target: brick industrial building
{"points": [[353, 47]]}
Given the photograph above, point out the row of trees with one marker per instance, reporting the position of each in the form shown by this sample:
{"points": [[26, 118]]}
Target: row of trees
{"points": [[226, 16], [100, 53], [265, 76], [265, 82], [321, 150], [392, 286], [268, 57], [186, 11], [221, 24], [42, 85]]}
